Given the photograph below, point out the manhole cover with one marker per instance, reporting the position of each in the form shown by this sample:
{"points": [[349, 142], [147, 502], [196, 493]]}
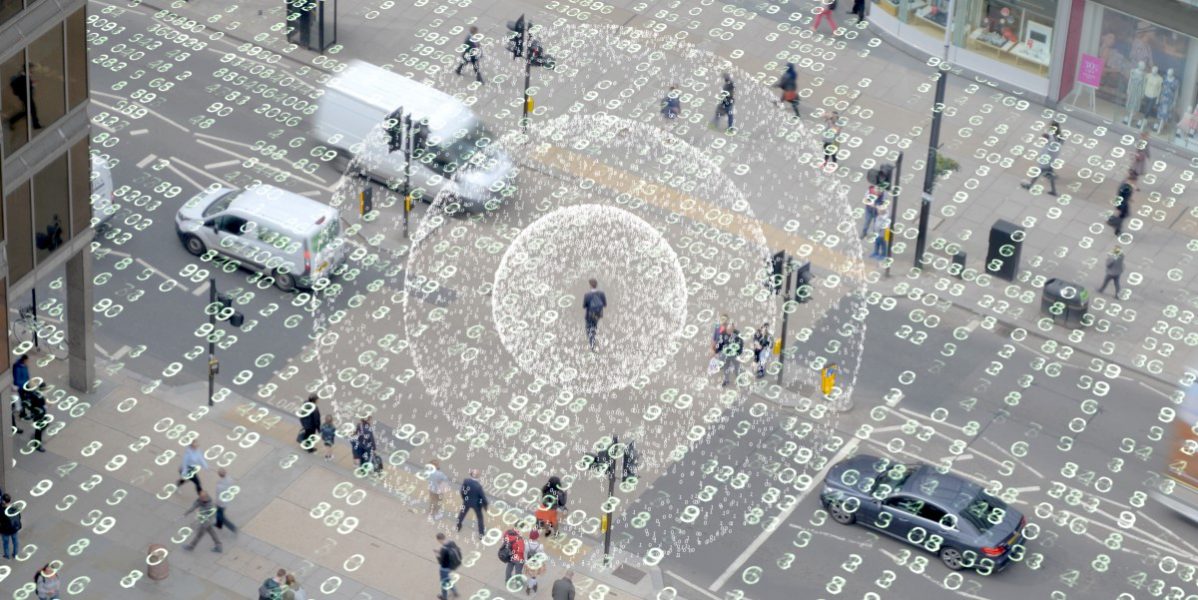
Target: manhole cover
{"points": [[629, 574]]}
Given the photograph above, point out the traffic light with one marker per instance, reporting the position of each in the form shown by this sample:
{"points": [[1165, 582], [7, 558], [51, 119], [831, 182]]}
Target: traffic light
{"points": [[226, 308], [515, 44], [631, 459], [779, 263], [803, 278], [395, 128]]}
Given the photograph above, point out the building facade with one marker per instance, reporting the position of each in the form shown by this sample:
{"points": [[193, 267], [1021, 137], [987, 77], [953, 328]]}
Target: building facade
{"points": [[1084, 55], [45, 175]]}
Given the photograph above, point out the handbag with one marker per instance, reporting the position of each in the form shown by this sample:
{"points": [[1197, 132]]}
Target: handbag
{"points": [[1114, 220], [790, 96], [714, 365]]}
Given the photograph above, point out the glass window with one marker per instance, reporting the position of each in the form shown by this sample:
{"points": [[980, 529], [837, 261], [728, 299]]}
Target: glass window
{"points": [[81, 187], [1017, 32], [19, 222], [76, 58], [12, 103], [48, 93], [9, 8], [51, 196], [928, 16]]}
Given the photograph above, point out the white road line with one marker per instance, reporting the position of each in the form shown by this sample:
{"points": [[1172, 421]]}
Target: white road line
{"points": [[919, 415], [201, 290], [965, 456], [697, 588], [121, 352], [150, 111], [158, 273], [222, 164], [139, 132], [1017, 459], [176, 159], [267, 166], [925, 575], [146, 161], [847, 449], [1028, 488]]}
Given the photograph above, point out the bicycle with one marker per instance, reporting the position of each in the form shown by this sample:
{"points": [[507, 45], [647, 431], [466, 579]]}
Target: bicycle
{"points": [[33, 334]]}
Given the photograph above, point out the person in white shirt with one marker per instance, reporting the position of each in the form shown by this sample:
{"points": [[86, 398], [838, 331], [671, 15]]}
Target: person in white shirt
{"points": [[438, 486], [193, 463]]}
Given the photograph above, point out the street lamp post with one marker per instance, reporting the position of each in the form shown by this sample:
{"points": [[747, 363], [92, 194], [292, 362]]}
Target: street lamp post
{"points": [[221, 306], [895, 186], [929, 175]]}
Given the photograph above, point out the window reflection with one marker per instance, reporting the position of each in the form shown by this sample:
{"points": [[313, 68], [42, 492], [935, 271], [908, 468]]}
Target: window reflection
{"points": [[47, 81]]}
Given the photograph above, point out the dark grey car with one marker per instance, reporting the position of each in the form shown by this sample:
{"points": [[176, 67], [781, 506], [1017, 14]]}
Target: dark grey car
{"points": [[942, 513]]}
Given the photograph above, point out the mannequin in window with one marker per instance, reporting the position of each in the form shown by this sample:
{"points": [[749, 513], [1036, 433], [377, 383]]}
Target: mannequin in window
{"points": [[1153, 83], [1167, 101], [1189, 123], [1135, 93]]}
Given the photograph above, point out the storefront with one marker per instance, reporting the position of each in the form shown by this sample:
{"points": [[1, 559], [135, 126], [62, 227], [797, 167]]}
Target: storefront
{"points": [[1012, 41], [1137, 72]]}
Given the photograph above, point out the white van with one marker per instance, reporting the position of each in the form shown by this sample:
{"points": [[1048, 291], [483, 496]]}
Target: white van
{"points": [[104, 206], [350, 119], [294, 239]]}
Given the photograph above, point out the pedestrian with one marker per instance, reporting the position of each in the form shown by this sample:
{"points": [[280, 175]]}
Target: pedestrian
{"points": [[859, 10], [725, 102], [294, 591], [363, 445], [825, 14], [193, 463], [10, 526], [473, 498], [671, 105], [729, 351], [789, 84], [18, 85], [328, 435], [1139, 163], [874, 201], [593, 303], [534, 562], [1114, 269], [880, 232], [205, 519], [1052, 148], [553, 503], [830, 134], [449, 558], [511, 553], [438, 486], [20, 377], [717, 332], [1123, 203], [272, 588], [46, 583], [36, 399], [471, 53], [224, 493], [563, 589], [763, 344], [309, 423]]}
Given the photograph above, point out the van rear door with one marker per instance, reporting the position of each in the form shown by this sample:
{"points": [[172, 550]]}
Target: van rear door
{"points": [[325, 249]]}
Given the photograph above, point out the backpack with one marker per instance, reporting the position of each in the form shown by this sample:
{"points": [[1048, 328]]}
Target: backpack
{"points": [[269, 590], [16, 522], [455, 556], [505, 550]]}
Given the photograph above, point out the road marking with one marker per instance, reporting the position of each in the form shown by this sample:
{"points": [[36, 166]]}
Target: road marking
{"points": [[697, 588], [1029, 488], [847, 449], [150, 111], [895, 557], [146, 161], [267, 165], [201, 290], [966, 456], [121, 352], [139, 132], [222, 164]]}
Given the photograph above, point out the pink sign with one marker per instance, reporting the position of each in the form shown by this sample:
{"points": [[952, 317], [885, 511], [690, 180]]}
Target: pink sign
{"points": [[1090, 71]]}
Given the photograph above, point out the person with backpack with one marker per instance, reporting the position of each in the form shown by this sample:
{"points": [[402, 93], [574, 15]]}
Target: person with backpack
{"points": [[471, 53], [273, 587], [534, 561], [363, 445], [46, 583], [725, 102], [671, 106], [10, 524], [789, 84], [825, 14], [310, 424], [553, 501], [449, 558], [474, 497], [511, 553]]}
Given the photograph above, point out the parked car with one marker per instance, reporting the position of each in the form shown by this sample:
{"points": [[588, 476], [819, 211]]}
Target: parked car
{"points": [[292, 238], [940, 512], [454, 151]]}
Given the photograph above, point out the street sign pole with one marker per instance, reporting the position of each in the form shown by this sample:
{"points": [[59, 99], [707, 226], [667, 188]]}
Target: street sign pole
{"points": [[527, 37], [611, 493], [407, 171], [929, 174], [895, 186], [787, 294], [212, 362]]}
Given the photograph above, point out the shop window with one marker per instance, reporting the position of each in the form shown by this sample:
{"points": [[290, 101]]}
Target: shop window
{"points": [[76, 58], [9, 9], [19, 223], [13, 102], [48, 93], [51, 203], [929, 16], [1016, 32], [81, 187]]}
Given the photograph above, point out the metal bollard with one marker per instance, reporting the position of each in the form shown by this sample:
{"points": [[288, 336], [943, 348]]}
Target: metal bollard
{"points": [[156, 565]]}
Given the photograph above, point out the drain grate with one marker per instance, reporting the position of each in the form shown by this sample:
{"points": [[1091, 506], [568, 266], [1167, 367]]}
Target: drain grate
{"points": [[629, 574]]}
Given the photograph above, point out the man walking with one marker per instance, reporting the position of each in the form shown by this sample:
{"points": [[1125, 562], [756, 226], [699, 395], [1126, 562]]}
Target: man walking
{"points": [[825, 14], [204, 522], [310, 423], [10, 525], [593, 303], [36, 399], [879, 230], [438, 486], [471, 54], [1114, 269], [1052, 148], [874, 201], [563, 589], [789, 84], [725, 103], [859, 10], [193, 463], [449, 558], [1123, 203], [473, 498], [223, 494], [730, 348]]}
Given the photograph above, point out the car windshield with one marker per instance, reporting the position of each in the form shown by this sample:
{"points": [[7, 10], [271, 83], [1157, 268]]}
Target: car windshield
{"points": [[985, 511], [220, 204], [461, 149]]}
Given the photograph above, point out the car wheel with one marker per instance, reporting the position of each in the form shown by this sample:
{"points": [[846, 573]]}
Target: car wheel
{"points": [[194, 245], [951, 557], [840, 515], [284, 281]]}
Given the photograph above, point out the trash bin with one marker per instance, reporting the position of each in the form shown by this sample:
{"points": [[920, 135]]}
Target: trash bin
{"points": [[958, 267], [1065, 302], [156, 565]]}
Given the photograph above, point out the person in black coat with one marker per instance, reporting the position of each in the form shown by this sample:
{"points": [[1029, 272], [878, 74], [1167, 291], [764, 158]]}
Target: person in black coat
{"points": [[1123, 202], [310, 423], [473, 498], [37, 412], [859, 9]]}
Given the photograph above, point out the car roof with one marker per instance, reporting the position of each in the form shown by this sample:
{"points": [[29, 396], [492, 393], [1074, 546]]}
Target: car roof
{"points": [[942, 489], [280, 207], [387, 90]]}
